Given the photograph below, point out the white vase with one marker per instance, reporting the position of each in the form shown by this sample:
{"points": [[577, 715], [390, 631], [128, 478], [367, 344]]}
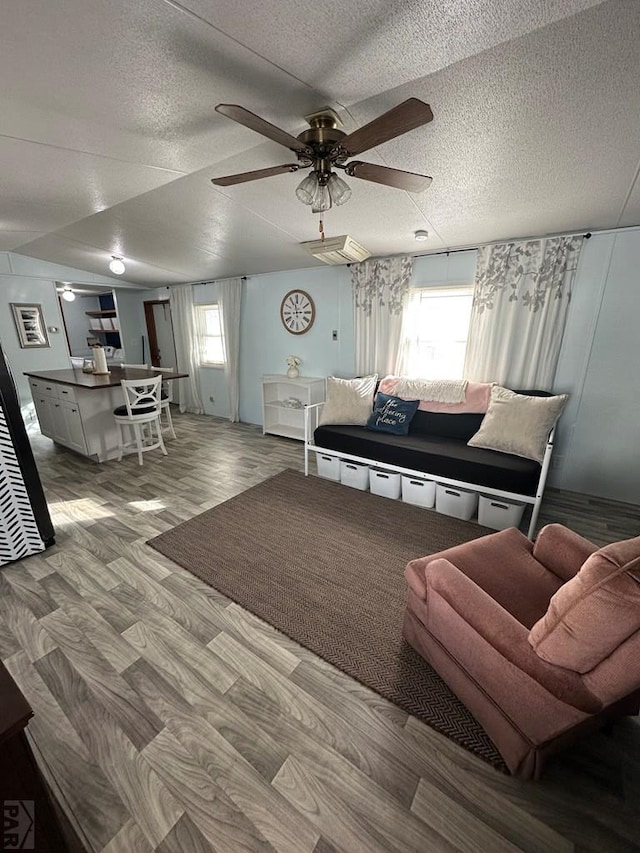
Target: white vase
{"points": [[293, 373]]}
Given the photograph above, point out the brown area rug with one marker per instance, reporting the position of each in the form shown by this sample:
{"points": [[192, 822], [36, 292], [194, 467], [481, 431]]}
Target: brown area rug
{"points": [[323, 563]]}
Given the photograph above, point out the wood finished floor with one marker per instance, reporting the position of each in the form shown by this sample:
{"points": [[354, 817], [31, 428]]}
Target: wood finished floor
{"points": [[169, 719]]}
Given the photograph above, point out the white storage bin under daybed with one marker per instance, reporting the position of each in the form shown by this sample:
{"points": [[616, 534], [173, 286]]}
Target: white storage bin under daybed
{"points": [[385, 483], [354, 474], [418, 492], [459, 503], [499, 514], [328, 466]]}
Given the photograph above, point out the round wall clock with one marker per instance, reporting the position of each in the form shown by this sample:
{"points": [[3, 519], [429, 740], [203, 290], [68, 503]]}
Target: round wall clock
{"points": [[297, 312]]}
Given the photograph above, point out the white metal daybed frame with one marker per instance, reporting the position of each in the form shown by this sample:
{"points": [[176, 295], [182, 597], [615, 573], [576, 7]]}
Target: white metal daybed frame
{"points": [[312, 411]]}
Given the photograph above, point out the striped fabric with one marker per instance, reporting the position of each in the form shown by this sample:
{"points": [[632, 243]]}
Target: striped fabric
{"points": [[19, 535]]}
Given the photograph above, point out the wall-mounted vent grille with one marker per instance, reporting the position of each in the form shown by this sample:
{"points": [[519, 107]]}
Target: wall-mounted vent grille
{"points": [[337, 250]]}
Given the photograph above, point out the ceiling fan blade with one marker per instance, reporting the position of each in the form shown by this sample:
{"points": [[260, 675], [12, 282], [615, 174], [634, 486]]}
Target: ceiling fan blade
{"points": [[406, 116], [409, 181], [242, 177], [260, 125]]}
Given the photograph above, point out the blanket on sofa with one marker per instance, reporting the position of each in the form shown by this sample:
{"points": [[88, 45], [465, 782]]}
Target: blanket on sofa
{"points": [[446, 396]]}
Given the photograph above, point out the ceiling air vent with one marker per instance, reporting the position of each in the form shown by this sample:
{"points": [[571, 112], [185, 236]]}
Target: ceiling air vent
{"points": [[337, 250]]}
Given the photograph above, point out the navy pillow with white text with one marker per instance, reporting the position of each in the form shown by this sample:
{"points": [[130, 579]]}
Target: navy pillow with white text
{"points": [[392, 414]]}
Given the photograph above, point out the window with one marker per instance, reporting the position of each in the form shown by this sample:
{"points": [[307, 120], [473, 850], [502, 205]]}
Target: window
{"points": [[210, 337], [435, 332]]}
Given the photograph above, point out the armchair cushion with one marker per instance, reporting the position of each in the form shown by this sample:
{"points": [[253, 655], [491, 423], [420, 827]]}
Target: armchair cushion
{"points": [[505, 634], [503, 566], [562, 550], [594, 612]]}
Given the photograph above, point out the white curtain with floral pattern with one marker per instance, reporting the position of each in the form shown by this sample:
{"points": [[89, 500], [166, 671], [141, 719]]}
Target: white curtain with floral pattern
{"points": [[380, 289], [520, 303]]}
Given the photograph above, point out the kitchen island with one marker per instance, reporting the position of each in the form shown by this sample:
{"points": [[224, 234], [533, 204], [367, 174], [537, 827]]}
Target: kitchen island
{"points": [[75, 409]]}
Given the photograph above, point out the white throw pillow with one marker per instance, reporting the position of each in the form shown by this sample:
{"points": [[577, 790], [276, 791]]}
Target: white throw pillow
{"points": [[349, 401], [517, 423]]}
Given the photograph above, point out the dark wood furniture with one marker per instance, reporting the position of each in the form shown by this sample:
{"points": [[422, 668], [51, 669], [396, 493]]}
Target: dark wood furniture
{"points": [[32, 820]]}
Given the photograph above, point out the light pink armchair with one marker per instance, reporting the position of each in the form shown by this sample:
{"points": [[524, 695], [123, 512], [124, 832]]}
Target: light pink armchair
{"points": [[540, 641]]}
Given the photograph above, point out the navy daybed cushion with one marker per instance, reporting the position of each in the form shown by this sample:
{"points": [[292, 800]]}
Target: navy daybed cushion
{"points": [[450, 426], [436, 455], [437, 445]]}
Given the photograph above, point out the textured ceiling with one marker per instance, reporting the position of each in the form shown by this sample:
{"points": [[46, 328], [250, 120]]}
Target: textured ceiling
{"points": [[108, 136]]}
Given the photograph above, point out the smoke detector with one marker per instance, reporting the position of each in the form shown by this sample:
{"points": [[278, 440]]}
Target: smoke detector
{"points": [[337, 250]]}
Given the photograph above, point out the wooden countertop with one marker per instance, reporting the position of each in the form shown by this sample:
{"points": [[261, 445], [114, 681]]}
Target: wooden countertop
{"points": [[88, 380]]}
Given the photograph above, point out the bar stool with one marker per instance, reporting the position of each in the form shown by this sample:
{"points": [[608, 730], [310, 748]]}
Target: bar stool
{"points": [[166, 397], [141, 413]]}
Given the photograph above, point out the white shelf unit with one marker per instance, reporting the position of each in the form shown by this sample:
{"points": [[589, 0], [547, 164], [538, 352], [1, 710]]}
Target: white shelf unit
{"points": [[279, 419], [104, 323]]}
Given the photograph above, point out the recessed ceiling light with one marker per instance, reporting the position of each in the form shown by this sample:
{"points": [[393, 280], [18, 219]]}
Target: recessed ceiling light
{"points": [[116, 265], [68, 294], [421, 235]]}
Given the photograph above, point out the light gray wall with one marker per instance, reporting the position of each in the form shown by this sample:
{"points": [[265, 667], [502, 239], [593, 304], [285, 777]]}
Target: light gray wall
{"points": [[133, 327], [25, 279], [598, 436], [77, 323], [27, 288], [452, 268], [600, 430], [265, 343], [163, 322]]}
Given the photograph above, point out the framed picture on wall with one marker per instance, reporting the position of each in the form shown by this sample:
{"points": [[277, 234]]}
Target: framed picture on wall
{"points": [[30, 326]]}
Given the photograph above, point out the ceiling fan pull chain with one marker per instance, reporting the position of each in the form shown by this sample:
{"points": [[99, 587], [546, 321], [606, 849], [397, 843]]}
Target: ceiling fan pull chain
{"points": [[321, 229]]}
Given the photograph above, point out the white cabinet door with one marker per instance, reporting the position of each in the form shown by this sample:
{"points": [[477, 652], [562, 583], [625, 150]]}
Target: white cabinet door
{"points": [[59, 432], [74, 430], [43, 407]]}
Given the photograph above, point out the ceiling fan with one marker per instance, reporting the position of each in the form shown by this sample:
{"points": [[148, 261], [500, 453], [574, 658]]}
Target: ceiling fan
{"points": [[324, 147]]}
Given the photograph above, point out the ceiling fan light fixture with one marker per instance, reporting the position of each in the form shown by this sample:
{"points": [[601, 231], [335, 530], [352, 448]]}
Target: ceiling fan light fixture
{"points": [[339, 190], [325, 146], [321, 199], [116, 265], [306, 189], [67, 294]]}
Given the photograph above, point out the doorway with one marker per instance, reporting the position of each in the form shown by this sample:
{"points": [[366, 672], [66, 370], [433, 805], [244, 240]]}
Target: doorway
{"points": [[162, 348]]}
